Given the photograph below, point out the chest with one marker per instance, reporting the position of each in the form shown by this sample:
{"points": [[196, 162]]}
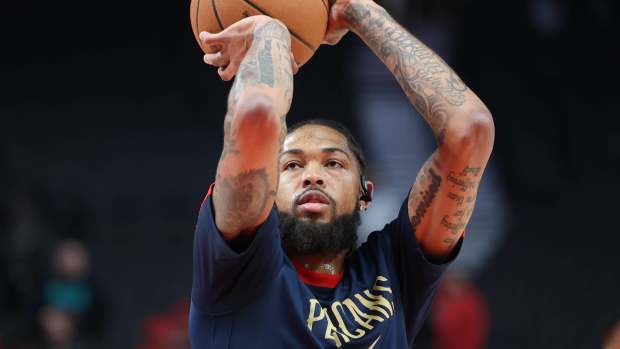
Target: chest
{"points": [[357, 314], [353, 315]]}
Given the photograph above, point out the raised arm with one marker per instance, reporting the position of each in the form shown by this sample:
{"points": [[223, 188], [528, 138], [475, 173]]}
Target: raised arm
{"points": [[256, 49], [442, 198]]}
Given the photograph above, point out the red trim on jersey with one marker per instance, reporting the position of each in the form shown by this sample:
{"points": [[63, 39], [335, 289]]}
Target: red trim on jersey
{"points": [[317, 279], [210, 192]]}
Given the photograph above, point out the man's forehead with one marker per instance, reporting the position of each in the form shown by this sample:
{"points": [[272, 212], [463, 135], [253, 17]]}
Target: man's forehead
{"points": [[314, 136]]}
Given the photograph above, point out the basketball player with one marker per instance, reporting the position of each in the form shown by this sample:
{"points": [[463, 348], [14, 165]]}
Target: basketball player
{"points": [[275, 263]]}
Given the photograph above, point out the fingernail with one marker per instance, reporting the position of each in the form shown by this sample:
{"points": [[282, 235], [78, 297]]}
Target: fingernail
{"points": [[203, 36]]}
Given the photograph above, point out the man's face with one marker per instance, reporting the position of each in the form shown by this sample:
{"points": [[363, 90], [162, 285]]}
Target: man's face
{"points": [[319, 175]]}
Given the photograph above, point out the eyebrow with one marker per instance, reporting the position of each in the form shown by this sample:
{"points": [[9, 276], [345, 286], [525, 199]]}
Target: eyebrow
{"points": [[297, 151]]}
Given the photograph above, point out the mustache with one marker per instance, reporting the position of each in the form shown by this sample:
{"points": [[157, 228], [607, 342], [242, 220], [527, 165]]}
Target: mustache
{"points": [[331, 200]]}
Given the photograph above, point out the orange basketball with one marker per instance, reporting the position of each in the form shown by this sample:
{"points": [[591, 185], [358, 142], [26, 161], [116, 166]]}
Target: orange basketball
{"points": [[305, 19]]}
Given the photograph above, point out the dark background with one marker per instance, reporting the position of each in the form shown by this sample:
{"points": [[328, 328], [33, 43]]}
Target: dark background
{"points": [[112, 125]]}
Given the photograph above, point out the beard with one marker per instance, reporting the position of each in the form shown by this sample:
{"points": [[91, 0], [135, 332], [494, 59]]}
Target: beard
{"points": [[307, 237]]}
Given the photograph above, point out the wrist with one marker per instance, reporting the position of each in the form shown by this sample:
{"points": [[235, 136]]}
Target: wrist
{"points": [[355, 11], [268, 27], [263, 20]]}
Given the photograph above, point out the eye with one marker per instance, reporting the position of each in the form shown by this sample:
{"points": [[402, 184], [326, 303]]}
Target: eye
{"points": [[334, 164], [291, 165]]}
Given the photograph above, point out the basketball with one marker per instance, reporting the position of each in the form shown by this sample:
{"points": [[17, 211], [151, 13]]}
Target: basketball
{"points": [[305, 19]]}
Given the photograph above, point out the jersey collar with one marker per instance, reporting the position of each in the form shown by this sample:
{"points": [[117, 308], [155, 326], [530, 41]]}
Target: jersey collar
{"points": [[317, 279]]}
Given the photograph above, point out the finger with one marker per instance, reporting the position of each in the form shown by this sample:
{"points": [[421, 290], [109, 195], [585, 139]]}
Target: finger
{"points": [[216, 59], [294, 64], [211, 39], [228, 72], [334, 37]]}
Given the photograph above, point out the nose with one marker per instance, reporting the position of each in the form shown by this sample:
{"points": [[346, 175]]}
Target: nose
{"points": [[313, 178]]}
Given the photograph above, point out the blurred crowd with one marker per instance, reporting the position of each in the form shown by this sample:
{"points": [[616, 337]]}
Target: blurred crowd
{"points": [[48, 296], [167, 330]]}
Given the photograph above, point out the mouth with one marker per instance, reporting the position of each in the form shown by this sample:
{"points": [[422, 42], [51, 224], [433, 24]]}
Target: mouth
{"points": [[313, 201]]}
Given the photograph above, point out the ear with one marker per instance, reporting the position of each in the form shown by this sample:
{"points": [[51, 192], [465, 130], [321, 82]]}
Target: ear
{"points": [[370, 186]]}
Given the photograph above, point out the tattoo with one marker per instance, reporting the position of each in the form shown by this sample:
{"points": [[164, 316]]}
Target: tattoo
{"points": [[243, 197], [454, 227], [427, 198], [230, 146], [267, 62], [464, 184], [465, 203], [431, 85], [456, 209], [458, 198], [274, 58], [475, 171], [283, 130]]}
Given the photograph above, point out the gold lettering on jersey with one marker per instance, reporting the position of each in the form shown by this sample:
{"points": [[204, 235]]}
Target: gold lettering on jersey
{"points": [[341, 324], [380, 300], [364, 307], [380, 288], [358, 314], [314, 318], [331, 332], [372, 305]]}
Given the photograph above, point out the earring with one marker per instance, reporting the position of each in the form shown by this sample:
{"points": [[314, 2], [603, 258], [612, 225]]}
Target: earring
{"points": [[363, 208]]}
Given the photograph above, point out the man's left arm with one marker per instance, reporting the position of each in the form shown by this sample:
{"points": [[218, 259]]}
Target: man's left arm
{"points": [[443, 196]]}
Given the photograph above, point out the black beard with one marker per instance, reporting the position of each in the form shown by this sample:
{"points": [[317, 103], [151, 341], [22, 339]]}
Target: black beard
{"points": [[306, 237]]}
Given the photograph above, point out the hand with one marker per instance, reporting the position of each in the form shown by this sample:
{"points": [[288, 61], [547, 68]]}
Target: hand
{"points": [[232, 44], [338, 25]]}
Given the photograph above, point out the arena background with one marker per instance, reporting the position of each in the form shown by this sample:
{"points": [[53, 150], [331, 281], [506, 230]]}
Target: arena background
{"points": [[111, 126]]}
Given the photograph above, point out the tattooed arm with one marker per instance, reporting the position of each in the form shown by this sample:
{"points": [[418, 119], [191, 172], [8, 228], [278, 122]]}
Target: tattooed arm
{"points": [[442, 199], [257, 50]]}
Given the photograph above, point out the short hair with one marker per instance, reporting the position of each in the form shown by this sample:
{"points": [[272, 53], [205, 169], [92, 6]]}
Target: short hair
{"points": [[352, 143]]}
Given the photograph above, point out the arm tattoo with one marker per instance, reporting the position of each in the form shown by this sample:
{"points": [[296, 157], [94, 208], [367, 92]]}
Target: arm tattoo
{"points": [[455, 210], [243, 197], [463, 189], [431, 85], [267, 62], [423, 200]]}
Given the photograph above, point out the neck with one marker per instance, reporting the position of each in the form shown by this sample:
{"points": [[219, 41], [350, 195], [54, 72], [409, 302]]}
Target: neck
{"points": [[329, 265]]}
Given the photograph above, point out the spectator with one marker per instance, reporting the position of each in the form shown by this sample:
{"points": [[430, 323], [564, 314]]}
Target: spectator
{"points": [[58, 329], [71, 288]]}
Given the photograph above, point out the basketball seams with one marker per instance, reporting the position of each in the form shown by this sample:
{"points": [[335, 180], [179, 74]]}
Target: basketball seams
{"points": [[196, 30], [205, 15], [324, 2], [217, 16], [297, 36]]}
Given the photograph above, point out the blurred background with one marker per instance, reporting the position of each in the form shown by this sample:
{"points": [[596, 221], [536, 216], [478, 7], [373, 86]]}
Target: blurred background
{"points": [[111, 127]]}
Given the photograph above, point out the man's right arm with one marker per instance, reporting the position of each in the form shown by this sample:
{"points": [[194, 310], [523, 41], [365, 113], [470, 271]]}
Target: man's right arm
{"points": [[254, 127]]}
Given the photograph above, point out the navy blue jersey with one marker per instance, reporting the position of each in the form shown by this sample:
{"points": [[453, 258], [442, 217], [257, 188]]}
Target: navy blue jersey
{"points": [[256, 298]]}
